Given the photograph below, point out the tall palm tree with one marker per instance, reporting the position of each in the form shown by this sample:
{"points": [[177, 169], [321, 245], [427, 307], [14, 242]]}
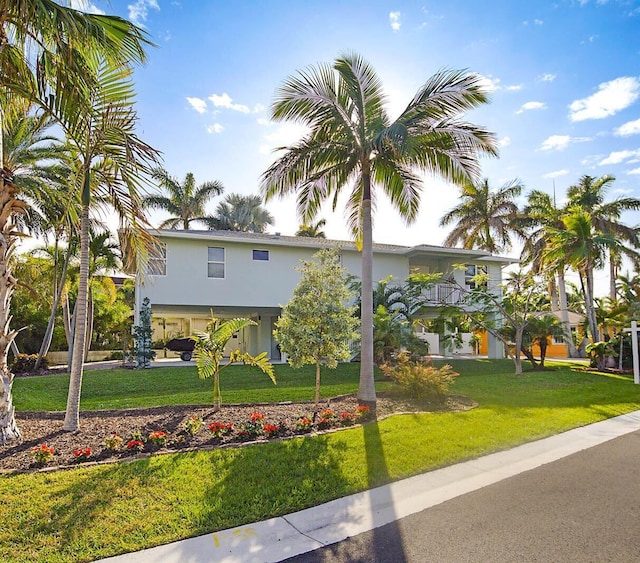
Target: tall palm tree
{"points": [[184, 201], [112, 163], [312, 230], [485, 219], [352, 141], [541, 215], [589, 194], [61, 40], [241, 213]]}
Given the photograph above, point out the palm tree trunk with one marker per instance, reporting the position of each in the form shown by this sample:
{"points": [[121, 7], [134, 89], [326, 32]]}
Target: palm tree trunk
{"points": [[564, 315], [48, 335], [613, 276], [8, 239], [366, 388], [72, 414], [89, 334], [588, 304]]}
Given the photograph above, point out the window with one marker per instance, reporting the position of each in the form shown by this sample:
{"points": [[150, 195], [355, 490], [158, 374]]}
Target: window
{"points": [[158, 260], [471, 272], [215, 264], [262, 255]]}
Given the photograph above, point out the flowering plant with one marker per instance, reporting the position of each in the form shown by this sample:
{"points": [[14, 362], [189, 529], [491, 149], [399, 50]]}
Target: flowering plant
{"points": [[158, 437], [113, 442], [273, 430], [43, 453], [327, 418], [135, 445], [193, 424], [82, 454], [303, 424], [257, 417], [363, 412], [219, 429], [347, 418]]}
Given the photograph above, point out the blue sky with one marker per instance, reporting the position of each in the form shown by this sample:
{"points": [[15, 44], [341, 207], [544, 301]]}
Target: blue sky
{"points": [[564, 78]]}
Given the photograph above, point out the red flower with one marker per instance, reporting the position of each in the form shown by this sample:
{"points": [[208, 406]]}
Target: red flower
{"points": [[83, 453], [256, 417], [135, 445]]}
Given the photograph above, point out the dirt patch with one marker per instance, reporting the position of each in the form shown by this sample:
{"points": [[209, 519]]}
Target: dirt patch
{"points": [[46, 428]]}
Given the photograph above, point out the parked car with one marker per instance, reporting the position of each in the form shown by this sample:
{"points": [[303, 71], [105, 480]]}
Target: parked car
{"points": [[184, 346]]}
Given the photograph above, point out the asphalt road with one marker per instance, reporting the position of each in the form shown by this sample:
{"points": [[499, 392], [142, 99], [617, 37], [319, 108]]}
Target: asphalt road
{"points": [[581, 508]]}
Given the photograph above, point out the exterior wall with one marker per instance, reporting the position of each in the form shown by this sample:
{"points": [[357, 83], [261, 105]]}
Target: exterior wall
{"points": [[247, 282]]}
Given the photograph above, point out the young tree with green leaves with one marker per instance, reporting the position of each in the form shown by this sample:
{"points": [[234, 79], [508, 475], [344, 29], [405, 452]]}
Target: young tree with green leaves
{"points": [[352, 143], [209, 353], [317, 325]]}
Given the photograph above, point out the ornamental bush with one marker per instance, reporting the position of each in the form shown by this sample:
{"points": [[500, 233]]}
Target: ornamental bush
{"points": [[419, 379], [26, 363]]}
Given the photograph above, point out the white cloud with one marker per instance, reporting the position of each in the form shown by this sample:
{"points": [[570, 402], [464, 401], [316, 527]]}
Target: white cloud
{"points": [[617, 157], [490, 84], [555, 174], [548, 77], [284, 135], [85, 6], [263, 121], [394, 20], [139, 11], [629, 128], [504, 142], [556, 142], [611, 97], [561, 142], [258, 108], [225, 101], [531, 105], [198, 104], [635, 171], [538, 22], [215, 128]]}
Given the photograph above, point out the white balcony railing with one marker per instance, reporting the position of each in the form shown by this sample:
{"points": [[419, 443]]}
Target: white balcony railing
{"points": [[442, 294]]}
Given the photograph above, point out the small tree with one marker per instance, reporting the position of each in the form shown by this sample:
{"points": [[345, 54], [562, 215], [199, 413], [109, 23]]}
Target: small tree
{"points": [[209, 351], [317, 325], [142, 351]]}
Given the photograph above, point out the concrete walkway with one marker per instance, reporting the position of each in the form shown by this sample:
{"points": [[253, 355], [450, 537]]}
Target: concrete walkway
{"points": [[313, 528]]}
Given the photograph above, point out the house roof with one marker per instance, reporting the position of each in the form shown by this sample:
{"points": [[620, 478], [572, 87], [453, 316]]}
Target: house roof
{"points": [[310, 242]]}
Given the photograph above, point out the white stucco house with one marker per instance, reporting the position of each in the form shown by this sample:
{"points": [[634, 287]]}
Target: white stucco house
{"points": [[253, 275]]}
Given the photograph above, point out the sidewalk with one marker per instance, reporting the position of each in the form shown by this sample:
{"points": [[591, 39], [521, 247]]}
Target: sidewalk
{"points": [[304, 531]]}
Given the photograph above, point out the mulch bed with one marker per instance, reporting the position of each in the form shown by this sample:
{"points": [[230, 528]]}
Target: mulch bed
{"points": [[46, 428]]}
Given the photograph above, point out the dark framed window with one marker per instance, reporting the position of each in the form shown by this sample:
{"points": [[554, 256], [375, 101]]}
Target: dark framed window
{"points": [[262, 255]]}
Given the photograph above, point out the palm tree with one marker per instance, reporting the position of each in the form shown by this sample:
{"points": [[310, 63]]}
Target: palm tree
{"points": [[61, 40], [541, 215], [111, 165], [312, 230], [589, 194], [241, 213], [484, 218], [184, 201], [352, 141]]}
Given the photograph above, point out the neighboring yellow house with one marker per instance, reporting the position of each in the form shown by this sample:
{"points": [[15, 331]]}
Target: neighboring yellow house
{"points": [[556, 348]]}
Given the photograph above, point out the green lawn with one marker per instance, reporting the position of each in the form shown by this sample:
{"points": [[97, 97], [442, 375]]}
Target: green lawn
{"points": [[88, 513]]}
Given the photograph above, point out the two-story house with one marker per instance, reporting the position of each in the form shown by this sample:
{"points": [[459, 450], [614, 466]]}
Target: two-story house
{"points": [[251, 275]]}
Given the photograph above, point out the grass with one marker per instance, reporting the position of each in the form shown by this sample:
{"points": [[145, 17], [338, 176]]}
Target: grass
{"points": [[123, 388], [88, 513]]}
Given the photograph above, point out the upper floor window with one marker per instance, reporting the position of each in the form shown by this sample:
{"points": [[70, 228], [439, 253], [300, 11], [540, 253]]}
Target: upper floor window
{"points": [[215, 262], [470, 274], [261, 255], [158, 260]]}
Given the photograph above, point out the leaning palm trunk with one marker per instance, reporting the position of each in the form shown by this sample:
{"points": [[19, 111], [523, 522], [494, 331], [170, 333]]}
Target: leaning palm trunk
{"points": [[366, 389], [48, 335], [72, 415], [9, 206], [89, 333]]}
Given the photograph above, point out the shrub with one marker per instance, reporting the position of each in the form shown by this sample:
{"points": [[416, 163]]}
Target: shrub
{"points": [[419, 379], [347, 418], [363, 412], [26, 363], [116, 355], [272, 430], [158, 437], [135, 445], [327, 419]]}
